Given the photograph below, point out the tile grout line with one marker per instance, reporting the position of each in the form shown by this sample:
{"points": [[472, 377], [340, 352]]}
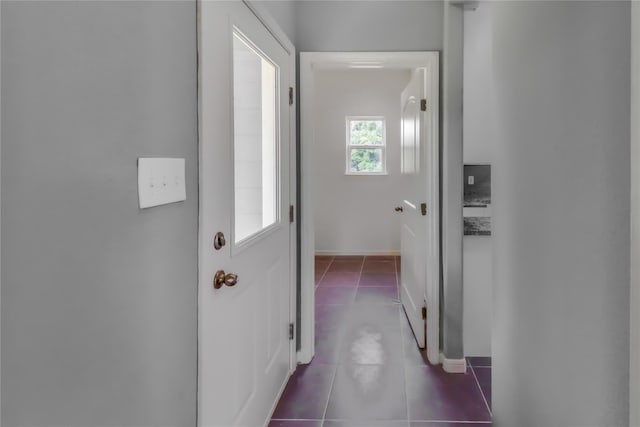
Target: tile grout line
{"points": [[326, 406], [395, 264], [453, 421], [403, 341], [404, 366], [364, 258], [481, 391], [325, 271], [335, 371]]}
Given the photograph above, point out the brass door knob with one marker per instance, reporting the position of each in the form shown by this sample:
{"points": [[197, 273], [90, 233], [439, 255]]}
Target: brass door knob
{"points": [[222, 278], [399, 209], [219, 240]]}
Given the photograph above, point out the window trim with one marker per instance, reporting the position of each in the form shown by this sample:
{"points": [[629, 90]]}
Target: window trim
{"points": [[350, 146]]}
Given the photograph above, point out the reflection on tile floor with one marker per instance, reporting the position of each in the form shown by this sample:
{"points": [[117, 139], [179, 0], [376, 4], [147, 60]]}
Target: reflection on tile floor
{"points": [[367, 370]]}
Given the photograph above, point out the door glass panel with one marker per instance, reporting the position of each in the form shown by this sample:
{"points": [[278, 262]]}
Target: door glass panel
{"points": [[255, 144]]}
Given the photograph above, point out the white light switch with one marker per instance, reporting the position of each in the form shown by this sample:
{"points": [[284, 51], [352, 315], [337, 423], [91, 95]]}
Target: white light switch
{"points": [[160, 181], [471, 180]]}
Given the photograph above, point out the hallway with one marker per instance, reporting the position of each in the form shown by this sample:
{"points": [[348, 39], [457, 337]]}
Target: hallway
{"points": [[367, 370]]}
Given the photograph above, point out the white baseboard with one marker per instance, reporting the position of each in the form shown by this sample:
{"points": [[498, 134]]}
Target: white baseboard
{"points": [[360, 253], [453, 366]]}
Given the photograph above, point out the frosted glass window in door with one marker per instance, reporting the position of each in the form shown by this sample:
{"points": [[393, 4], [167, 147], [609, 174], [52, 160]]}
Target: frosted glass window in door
{"points": [[255, 148]]}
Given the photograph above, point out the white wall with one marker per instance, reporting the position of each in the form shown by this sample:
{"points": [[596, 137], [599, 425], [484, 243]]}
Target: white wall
{"points": [[355, 214], [561, 297], [477, 251]]}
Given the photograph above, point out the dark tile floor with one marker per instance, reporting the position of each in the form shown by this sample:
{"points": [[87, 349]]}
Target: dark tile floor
{"points": [[367, 370]]}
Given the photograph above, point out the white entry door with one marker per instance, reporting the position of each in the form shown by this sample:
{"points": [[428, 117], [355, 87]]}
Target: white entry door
{"points": [[420, 272], [245, 352]]}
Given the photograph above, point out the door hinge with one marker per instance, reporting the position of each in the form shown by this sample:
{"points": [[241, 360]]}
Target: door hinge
{"points": [[424, 313], [290, 96], [423, 105], [291, 331], [292, 213], [423, 208]]}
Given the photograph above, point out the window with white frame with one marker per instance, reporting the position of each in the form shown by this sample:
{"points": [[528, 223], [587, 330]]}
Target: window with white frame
{"points": [[366, 146]]}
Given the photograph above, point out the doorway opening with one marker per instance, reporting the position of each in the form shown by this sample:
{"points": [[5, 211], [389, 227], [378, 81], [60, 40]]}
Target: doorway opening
{"points": [[360, 357], [411, 167]]}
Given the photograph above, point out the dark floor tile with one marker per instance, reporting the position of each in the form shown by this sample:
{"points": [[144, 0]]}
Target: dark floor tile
{"points": [[306, 393], [371, 336], [479, 362], [327, 349], [376, 295], [378, 279], [330, 316], [350, 266], [340, 278], [363, 336], [321, 267], [445, 424], [325, 258], [295, 423], [379, 267], [368, 392], [437, 395], [329, 333], [322, 262], [484, 379], [413, 355], [370, 258], [364, 423], [340, 258], [335, 295]]}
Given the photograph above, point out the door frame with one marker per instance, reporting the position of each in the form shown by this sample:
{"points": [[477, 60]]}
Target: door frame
{"points": [[280, 36], [309, 62]]}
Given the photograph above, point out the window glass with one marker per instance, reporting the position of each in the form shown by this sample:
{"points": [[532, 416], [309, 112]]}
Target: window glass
{"points": [[255, 140], [366, 145]]}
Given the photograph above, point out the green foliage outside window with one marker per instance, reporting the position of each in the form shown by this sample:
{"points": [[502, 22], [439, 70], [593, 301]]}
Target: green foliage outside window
{"points": [[366, 132], [365, 136], [366, 160]]}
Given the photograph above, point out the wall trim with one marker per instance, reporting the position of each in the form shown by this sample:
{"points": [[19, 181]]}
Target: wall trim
{"points": [[361, 253], [453, 366]]}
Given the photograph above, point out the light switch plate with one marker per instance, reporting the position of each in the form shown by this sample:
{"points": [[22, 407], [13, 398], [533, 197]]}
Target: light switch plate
{"points": [[160, 181]]}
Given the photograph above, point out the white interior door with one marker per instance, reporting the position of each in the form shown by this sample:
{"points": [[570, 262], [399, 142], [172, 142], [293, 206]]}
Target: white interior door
{"points": [[420, 272], [245, 352]]}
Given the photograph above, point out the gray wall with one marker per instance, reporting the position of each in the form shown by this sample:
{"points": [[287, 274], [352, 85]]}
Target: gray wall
{"points": [[478, 142], [634, 394], [325, 26], [451, 298], [98, 297], [561, 296], [283, 12]]}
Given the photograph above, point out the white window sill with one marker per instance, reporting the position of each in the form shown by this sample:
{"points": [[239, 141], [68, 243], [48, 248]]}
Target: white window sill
{"points": [[366, 173]]}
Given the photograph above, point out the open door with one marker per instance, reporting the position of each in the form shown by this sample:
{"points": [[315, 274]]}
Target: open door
{"points": [[246, 348], [420, 236]]}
